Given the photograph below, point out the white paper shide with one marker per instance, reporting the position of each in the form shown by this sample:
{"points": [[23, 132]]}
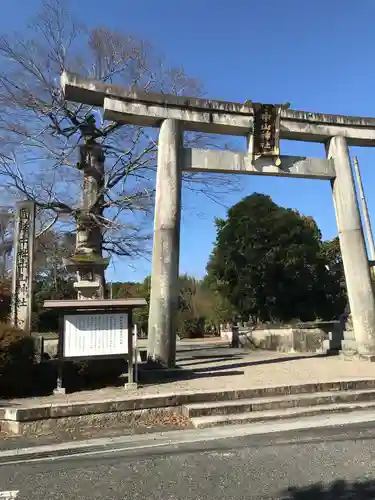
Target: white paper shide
{"points": [[87, 335]]}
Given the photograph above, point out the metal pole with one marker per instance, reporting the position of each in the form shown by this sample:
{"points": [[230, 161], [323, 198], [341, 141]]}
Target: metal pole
{"points": [[135, 343], [369, 234], [131, 382]]}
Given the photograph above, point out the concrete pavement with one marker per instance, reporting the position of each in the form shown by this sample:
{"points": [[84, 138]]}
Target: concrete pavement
{"points": [[329, 463]]}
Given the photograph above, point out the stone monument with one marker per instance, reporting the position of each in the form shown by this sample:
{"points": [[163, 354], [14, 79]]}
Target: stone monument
{"points": [[23, 265], [176, 114]]}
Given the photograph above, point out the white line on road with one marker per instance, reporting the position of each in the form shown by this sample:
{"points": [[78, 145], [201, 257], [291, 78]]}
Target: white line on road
{"points": [[8, 494]]}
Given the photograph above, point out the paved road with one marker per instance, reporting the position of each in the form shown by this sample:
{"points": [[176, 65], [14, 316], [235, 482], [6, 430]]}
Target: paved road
{"points": [[327, 463]]}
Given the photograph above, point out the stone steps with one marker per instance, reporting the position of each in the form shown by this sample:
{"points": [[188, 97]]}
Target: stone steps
{"points": [[277, 415], [261, 409], [205, 408]]}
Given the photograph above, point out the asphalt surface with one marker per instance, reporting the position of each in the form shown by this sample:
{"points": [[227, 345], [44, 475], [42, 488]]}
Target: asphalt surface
{"points": [[328, 463]]}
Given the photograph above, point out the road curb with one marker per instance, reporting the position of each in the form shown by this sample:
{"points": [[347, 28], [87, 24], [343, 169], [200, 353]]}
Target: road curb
{"points": [[173, 438]]}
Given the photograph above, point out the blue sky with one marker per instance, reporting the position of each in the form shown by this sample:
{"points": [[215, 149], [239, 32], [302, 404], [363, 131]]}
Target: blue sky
{"points": [[318, 55]]}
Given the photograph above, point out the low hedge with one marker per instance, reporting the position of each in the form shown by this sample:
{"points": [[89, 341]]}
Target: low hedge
{"points": [[16, 361], [21, 376]]}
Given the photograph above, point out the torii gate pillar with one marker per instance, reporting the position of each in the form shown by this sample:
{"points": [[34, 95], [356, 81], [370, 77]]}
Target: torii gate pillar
{"points": [[166, 247], [360, 342]]}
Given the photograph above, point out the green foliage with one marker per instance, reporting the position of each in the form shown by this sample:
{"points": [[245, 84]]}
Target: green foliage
{"points": [[189, 326], [16, 360], [335, 288], [135, 290], [89, 258], [5, 298], [140, 315], [332, 255], [190, 319], [218, 308], [268, 261], [47, 289], [201, 308]]}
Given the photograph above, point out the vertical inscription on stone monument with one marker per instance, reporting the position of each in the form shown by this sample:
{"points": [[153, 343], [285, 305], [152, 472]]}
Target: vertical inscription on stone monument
{"points": [[22, 283], [266, 130]]}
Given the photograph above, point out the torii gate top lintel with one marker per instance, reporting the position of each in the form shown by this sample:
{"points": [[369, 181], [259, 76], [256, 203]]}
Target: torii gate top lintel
{"points": [[134, 106]]}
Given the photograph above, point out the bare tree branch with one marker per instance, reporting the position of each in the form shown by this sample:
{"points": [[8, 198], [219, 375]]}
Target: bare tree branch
{"points": [[40, 131]]}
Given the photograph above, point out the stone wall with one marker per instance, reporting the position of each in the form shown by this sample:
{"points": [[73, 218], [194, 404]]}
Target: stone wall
{"points": [[324, 337]]}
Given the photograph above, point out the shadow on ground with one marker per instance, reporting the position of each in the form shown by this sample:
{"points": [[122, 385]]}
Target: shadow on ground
{"points": [[201, 360], [338, 490], [95, 375], [244, 364], [149, 375]]}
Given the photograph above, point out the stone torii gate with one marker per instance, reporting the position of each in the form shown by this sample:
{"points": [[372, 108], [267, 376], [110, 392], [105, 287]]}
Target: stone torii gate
{"points": [[174, 115]]}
